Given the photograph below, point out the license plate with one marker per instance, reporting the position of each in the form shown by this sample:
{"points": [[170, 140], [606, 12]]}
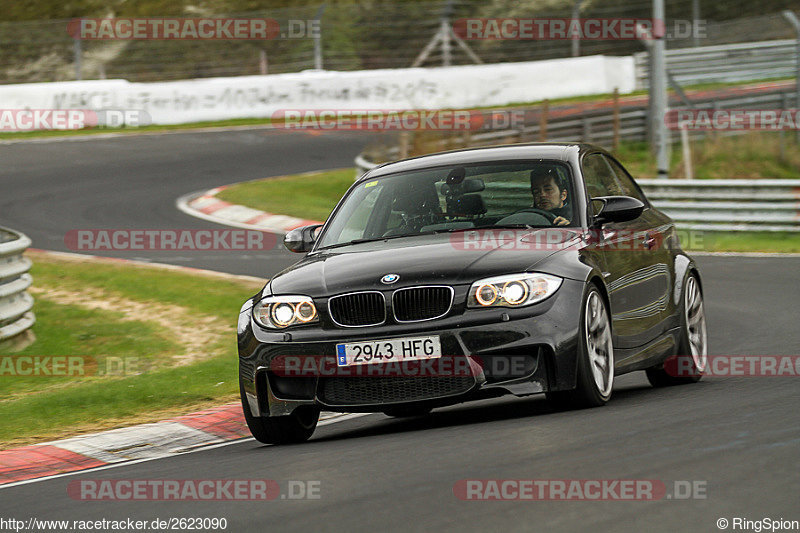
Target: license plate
{"points": [[388, 351]]}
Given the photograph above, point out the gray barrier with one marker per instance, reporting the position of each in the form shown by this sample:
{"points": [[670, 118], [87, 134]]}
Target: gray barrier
{"points": [[16, 305]]}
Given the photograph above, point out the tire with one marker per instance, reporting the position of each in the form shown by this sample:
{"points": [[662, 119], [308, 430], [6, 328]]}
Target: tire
{"points": [[595, 368], [692, 352], [406, 412], [294, 428]]}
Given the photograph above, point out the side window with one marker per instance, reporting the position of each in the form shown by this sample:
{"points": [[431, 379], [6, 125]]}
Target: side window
{"points": [[599, 179], [628, 186]]}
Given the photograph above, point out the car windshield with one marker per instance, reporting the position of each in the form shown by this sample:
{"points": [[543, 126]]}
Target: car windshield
{"points": [[456, 198]]}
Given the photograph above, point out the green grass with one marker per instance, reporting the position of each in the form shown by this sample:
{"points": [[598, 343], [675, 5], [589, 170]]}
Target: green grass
{"points": [[208, 296], [749, 156], [36, 408], [312, 196], [101, 335], [736, 241]]}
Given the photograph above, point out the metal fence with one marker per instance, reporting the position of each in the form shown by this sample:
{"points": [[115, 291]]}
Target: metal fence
{"points": [[725, 63], [16, 315], [600, 124], [356, 36], [728, 205]]}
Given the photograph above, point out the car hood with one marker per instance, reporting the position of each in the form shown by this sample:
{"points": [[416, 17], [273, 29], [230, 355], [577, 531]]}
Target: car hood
{"points": [[451, 259]]}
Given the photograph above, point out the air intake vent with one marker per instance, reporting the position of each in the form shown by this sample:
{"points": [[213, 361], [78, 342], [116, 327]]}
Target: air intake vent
{"points": [[381, 390], [358, 309], [422, 303]]}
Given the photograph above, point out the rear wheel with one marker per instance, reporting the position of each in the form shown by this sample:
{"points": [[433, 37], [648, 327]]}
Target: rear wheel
{"points": [[692, 358], [595, 372], [293, 428]]}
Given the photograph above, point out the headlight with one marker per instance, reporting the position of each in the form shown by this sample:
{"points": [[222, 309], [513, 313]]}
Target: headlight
{"points": [[513, 290], [278, 312]]}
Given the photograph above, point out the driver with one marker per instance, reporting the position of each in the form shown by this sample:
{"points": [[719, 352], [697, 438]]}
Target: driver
{"points": [[549, 191]]}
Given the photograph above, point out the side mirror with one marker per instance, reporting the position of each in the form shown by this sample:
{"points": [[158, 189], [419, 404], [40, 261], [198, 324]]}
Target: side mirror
{"points": [[617, 209], [301, 240]]}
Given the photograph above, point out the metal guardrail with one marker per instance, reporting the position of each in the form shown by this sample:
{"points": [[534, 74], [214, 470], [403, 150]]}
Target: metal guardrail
{"points": [[597, 125], [724, 63], [16, 315], [728, 205], [716, 205]]}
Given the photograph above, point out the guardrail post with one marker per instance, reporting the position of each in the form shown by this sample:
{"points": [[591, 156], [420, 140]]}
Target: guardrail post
{"points": [[792, 18], [77, 52], [615, 144], [658, 90], [16, 305], [543, 120], [318, 38]]}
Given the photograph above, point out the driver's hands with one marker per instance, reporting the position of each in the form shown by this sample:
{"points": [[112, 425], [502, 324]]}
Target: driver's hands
{"points": [[560, 221]]}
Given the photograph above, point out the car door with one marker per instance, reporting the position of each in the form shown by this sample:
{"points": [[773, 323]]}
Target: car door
{"points": [[655, 243], [636, 279]]}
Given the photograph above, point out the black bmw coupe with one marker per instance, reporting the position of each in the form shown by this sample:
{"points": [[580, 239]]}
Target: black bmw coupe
{"points": [[523, 269]]}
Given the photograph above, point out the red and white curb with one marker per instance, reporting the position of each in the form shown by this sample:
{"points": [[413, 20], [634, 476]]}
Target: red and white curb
{"points": [[183, 434], [207, 206]]}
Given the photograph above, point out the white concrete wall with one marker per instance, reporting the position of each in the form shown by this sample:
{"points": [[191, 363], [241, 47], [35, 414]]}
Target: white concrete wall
{"points": [[260, 96]]}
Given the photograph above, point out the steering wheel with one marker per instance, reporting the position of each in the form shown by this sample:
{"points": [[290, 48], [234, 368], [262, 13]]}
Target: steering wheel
{"points": [[550, 216]]}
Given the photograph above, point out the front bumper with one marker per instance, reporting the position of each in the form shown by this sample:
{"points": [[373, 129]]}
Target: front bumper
{"points": [[509, 351]]}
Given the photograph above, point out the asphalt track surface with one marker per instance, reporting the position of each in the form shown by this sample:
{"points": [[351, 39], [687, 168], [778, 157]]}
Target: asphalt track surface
{"points": [[738, 437]]}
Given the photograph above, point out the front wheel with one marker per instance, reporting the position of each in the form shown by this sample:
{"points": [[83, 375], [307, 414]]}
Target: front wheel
{"points": [[595, 370], [689, 364], [293, 428]]}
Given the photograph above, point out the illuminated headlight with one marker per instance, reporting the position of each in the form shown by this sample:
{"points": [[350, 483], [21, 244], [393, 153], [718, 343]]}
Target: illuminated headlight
{"points": [[513, 290], [278, 312]]}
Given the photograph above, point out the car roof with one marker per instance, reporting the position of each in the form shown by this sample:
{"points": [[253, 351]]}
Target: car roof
{"points": [[523, 151]]}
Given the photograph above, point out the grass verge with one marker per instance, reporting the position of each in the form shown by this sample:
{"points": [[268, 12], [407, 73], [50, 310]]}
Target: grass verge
{"points": [[157, 318], [756, 241], [311, 195], [749, 156]]}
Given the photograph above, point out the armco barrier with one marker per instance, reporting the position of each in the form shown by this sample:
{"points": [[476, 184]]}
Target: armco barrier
{"points": [[728, 205], [725, 63], [715, 205], [16, 315]]}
